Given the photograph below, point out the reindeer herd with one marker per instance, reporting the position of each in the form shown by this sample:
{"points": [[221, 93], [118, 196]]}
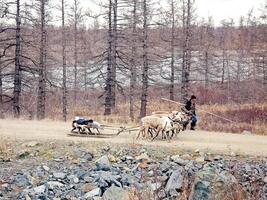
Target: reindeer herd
{"points": [[168, 124]]}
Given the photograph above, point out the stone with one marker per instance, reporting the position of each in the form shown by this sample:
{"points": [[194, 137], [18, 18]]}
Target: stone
{"points": [[22, 180], [128, 180], [115, 193], [155, 186], [54, 184], [186, 157], [179, 160], [233, 154], [197, 151], [40, 189], [88, 156], [27, 197], [129, 158], [73, 179], [87, 187], [200, 160], [93, 193], [59, 175], [103, 163], [46, 168], [265, 179], [175, 181], [104, 179], [142, 157], [111, 158], [211, 183]]}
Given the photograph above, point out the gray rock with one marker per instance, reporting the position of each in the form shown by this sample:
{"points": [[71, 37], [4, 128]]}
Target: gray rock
{"points": [[59, 175], [88, 156], [103, 163], [179, 160], [115, 193], [142, 157], [22, 180], [200, 160], [54, 184], [128, 180], [93, 193], [265, 179], [155, 186], [40, 189], [129, 158], [46, 168], [175, 182], [104, 179], [211, 182], [73, 179]]}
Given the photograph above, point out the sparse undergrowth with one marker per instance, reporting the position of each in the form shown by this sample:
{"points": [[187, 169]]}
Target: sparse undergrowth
{"points": [[246, 117]]}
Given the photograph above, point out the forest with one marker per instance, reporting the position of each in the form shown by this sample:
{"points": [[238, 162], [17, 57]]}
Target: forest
{"points": [[59, 59]]}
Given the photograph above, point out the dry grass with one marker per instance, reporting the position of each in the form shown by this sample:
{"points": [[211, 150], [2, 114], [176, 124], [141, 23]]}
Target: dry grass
{"points": [[5, 148], [250, 117]]}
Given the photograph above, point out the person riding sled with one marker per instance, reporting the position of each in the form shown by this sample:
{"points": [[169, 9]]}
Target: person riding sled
{"points": [[190, 109]]}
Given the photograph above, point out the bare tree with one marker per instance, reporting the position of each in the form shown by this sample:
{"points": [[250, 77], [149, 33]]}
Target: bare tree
{"points": [[1, 92], [108, 87], [187, 46], [17, 73], [133, 59], [64, 97], [41, 98], [75, 48], [145, 61], [172, 49]]}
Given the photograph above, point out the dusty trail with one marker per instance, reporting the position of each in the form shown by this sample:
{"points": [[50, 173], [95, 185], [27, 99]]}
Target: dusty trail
{"points": [[213, 142]]}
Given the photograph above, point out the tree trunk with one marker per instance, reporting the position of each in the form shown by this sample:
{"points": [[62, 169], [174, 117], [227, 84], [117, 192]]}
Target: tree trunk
{"points": [[64, 97], [186, 48], [172, 52], [264, 68], [145, 63], [206, 69], [108, 91], [133, 61], [17, 74], [114, 55], [223, 68], [1, 93], [75, 51], [42, 83]]}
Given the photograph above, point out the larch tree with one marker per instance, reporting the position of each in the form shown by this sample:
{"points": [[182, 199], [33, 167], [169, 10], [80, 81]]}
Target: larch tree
{"points": [[17, 73], [187, 18], [41, 98], [108, 87], [133, 63], [144, 91], [64, 81]]}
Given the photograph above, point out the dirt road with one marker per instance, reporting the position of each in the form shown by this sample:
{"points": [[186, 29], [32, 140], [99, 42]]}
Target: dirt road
{"points": [[213, 142]]}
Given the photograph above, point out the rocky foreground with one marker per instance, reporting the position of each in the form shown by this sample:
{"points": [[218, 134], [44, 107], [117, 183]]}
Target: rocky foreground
{"points": [[97, 171]]}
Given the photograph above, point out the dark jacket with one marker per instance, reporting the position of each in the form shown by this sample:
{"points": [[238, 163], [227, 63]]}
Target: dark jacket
{"points": [[189, 107]]}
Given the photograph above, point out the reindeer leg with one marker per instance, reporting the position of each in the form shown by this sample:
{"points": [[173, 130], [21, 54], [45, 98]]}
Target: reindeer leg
{"points": [[141, 130], [157, 133]]}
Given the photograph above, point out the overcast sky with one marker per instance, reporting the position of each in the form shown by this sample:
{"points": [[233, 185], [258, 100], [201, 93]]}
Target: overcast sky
{"points": [[218, 9]]}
